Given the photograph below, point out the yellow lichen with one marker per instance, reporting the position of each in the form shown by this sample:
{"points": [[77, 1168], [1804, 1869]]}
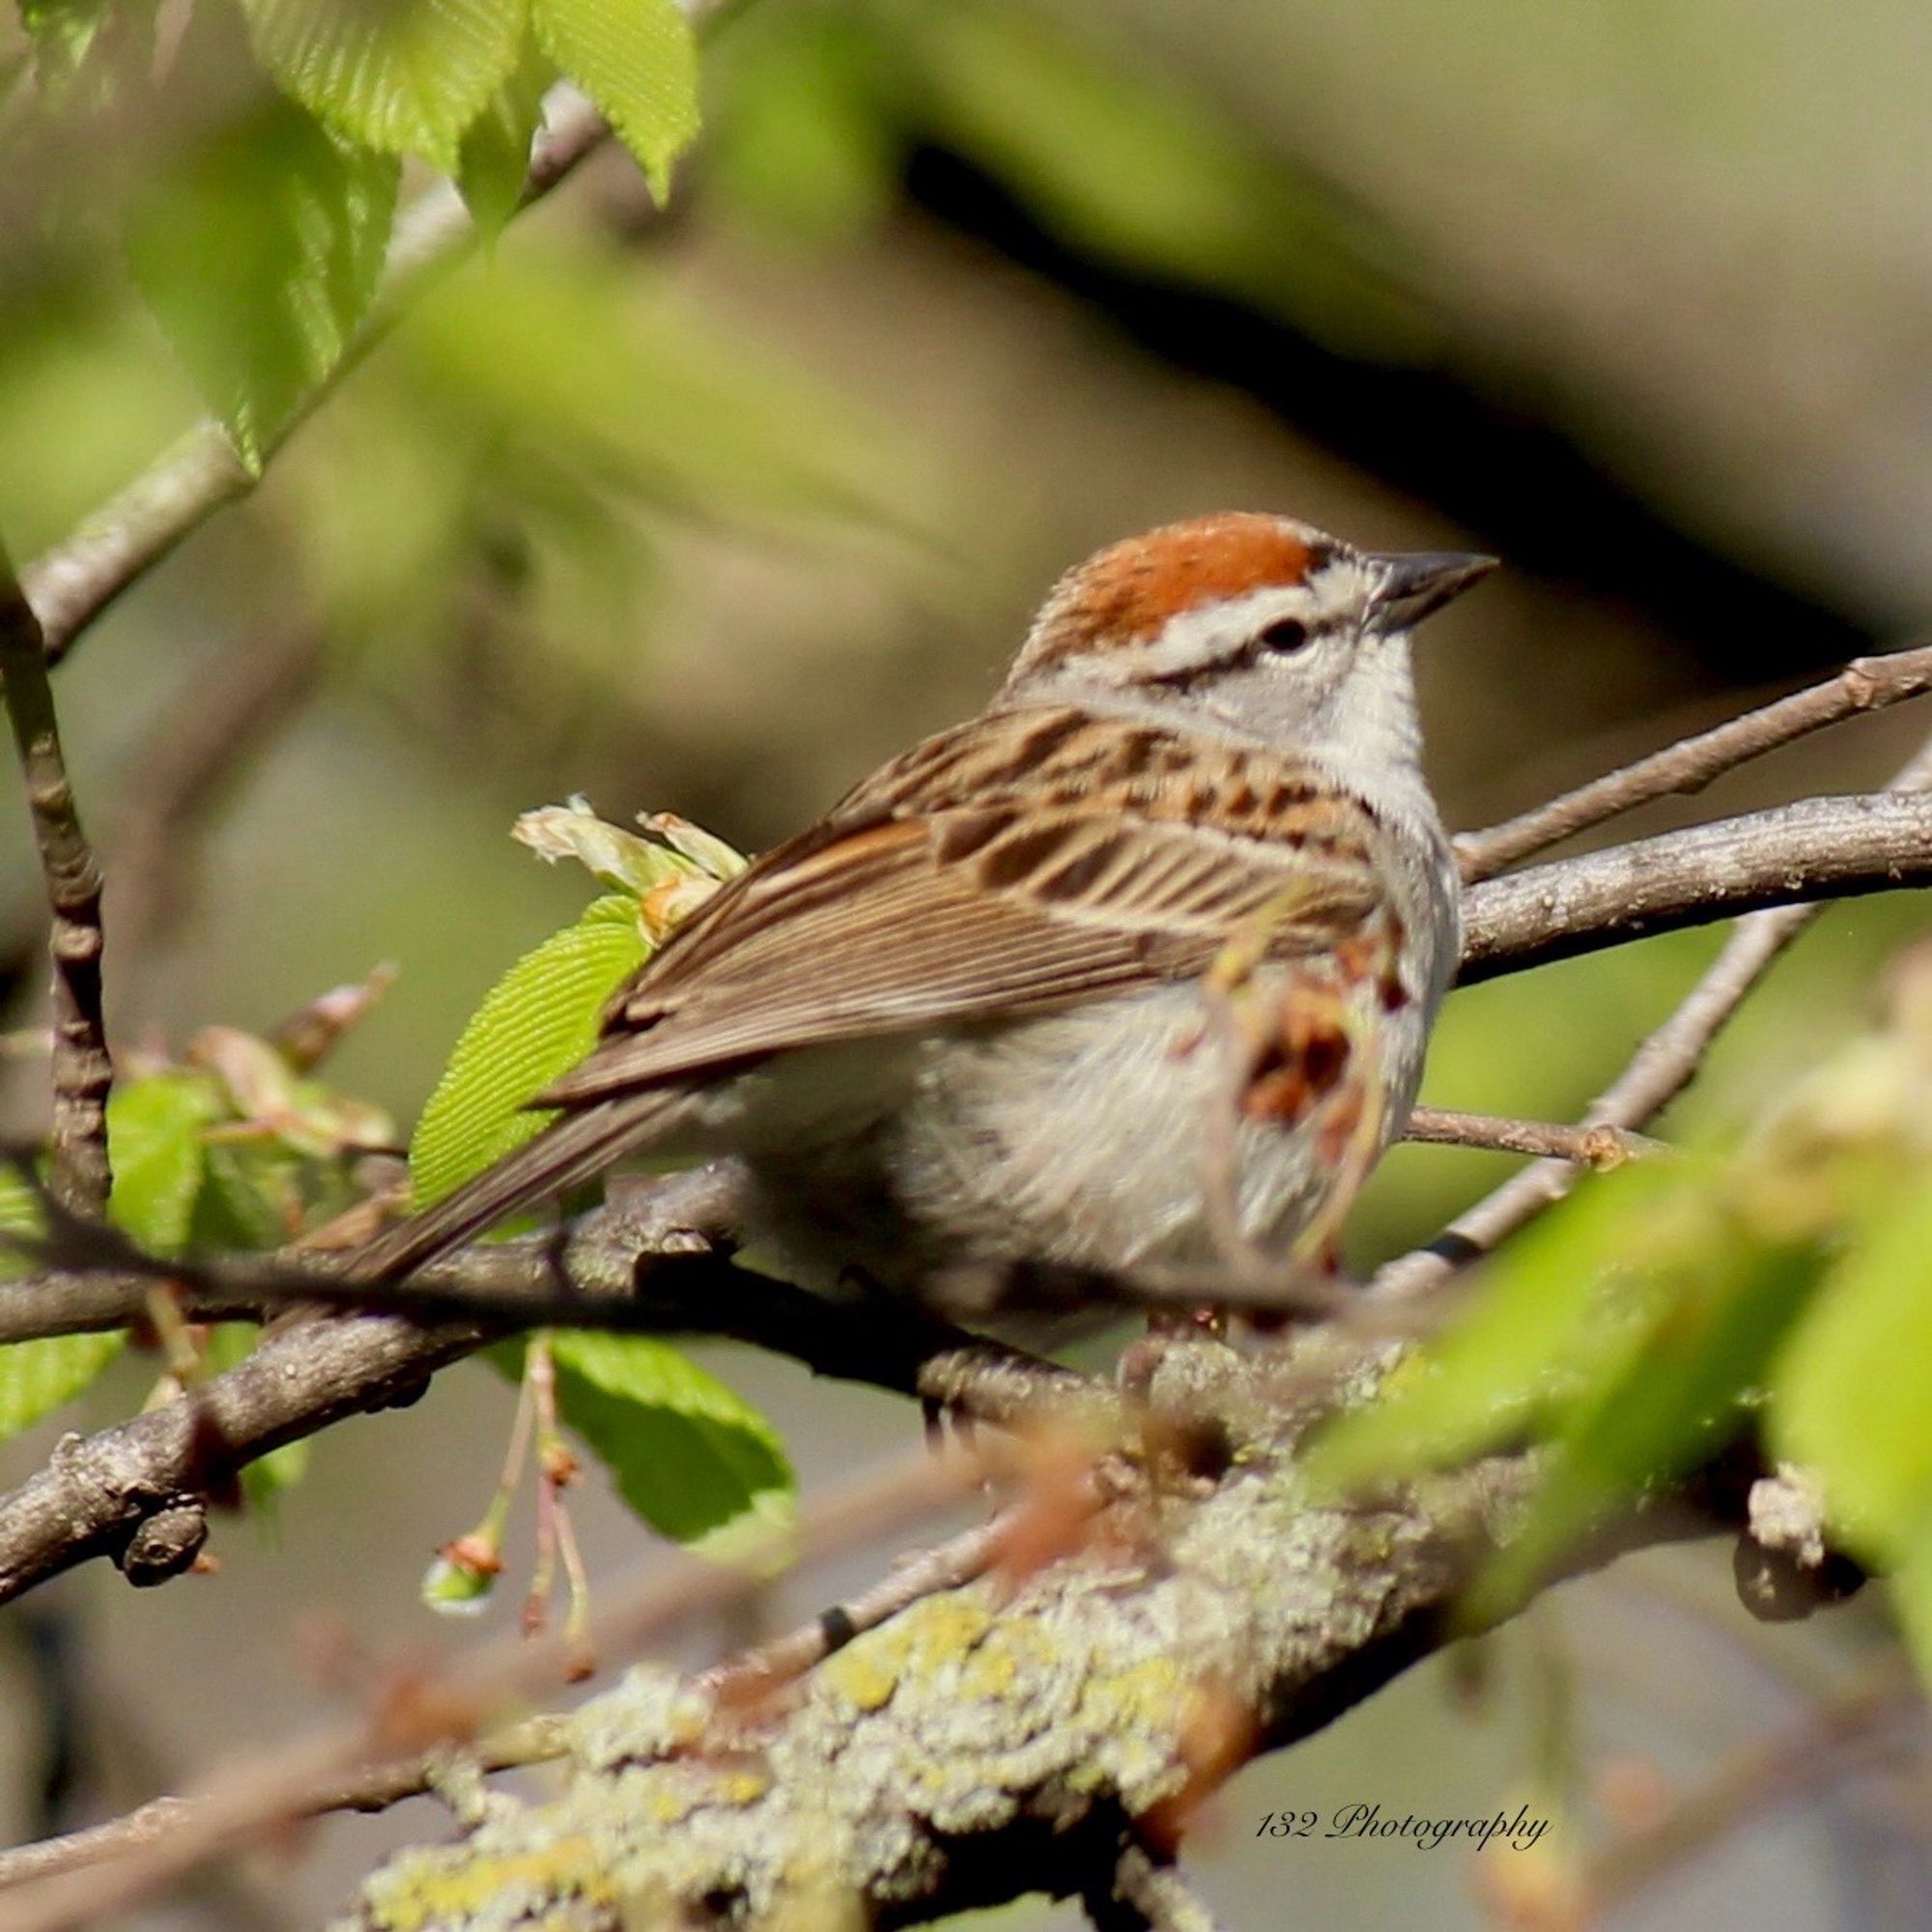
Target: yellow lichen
{"points": [[446, 1895], [868, 1672]]}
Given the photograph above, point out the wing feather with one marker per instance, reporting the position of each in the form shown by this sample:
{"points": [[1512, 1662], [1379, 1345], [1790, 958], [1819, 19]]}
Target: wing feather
{"points": [[956, 886]]}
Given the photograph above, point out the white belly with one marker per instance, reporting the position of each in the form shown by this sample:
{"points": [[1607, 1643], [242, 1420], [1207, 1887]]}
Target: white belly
{"points": [[1089, 1141]]}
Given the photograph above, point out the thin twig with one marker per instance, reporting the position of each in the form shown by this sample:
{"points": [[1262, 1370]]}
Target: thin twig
{"points": [[535, 1740], [254, 1796], [1664, 1063], [1593, 1146], [1147, 1896], [82, 1070], [1867, 684], [947, 1565], [1661, 1067]]}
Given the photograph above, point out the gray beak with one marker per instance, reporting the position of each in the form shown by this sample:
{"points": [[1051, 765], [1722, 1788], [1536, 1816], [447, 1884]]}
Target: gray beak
{"points": [[1416, 582]]}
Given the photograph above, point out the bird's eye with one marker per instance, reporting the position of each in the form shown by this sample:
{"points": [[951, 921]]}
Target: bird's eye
{"points": [[1283, 634]]}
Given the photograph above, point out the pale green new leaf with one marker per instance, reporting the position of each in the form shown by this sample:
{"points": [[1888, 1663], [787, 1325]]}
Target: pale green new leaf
{"points": [[1544, 1323], [258, 256], [495, 160], [689, 1455], [401, 77], [36, 1377], [153, 1140], [638, 61], [159, 1156], [1849, 1386], [538, 1020]]}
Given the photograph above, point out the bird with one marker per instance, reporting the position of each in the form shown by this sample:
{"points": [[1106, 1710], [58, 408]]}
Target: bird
{"points": [[1137, 964]]}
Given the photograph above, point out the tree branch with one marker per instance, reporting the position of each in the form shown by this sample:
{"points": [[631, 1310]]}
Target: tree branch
{"points": [[82, 1070], [97, 1497], [621, 1268], [1867, 684], [1592, 1147], [1819, 848]]}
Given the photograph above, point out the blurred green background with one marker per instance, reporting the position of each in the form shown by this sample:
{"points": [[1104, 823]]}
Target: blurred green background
{"points": [[709, 509]]}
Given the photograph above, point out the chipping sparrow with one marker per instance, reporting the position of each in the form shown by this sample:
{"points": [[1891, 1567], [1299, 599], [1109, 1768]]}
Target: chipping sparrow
{"points": [[1172, 917]]}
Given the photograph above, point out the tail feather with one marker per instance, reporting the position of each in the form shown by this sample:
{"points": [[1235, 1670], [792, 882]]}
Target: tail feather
{"points": [[565, 1154]]}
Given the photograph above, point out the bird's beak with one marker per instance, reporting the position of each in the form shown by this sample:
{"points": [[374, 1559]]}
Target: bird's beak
{"points": [[1417, 583]]}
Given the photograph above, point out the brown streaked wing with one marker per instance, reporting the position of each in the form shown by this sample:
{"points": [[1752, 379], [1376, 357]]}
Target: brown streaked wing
{"points": [[959, 895]]}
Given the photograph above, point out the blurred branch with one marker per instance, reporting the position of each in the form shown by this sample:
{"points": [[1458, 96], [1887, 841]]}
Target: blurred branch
{"points": [[198, 746], [1593, 1146], [1150, 1897], [407, 1718], [1760, 1776], [1867, 684], [82, 1070], [73, 584], [541, 1739]]}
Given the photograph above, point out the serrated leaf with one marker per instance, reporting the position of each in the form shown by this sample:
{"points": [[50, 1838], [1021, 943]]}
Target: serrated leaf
{"points": [[537, 1021], [258, 256], [155, 1143], [637, 62], [35, 1377], [1848, 1388], [401, 77], [689, 1455], [496, 155]]}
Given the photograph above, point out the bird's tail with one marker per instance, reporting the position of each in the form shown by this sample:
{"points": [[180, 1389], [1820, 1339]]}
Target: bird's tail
{"points": [[563, 1155]]}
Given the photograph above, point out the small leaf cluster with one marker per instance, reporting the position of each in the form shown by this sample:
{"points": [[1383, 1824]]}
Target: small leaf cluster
{"points": [[690, 1456], [238, 1148]]}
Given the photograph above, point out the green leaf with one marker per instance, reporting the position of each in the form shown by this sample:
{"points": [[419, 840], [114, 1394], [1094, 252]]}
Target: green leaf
{"points": [[495, 156], [38, 1377], [258, 257], [637, 62], [1848, 1389], [35, 1377], [1544, 1323], [401, 77], [810, 144], [1715, 1319], [155, 1143], [690, 1456], [537, 1021]]}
